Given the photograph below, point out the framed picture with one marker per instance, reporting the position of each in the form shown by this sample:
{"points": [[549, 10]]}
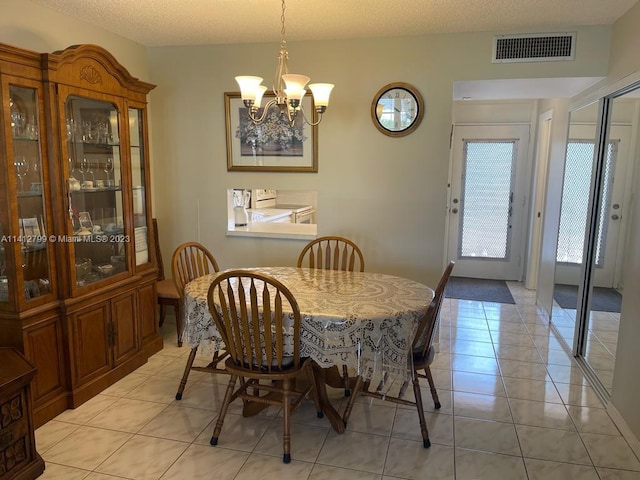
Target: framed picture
{"points": [[85, 220], [30, 227], [274, 145]]}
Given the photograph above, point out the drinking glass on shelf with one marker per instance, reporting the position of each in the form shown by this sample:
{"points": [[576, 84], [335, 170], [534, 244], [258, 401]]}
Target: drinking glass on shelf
{"points": [[17, 123], [84, 168], [71, 129], [87, 132], [108, 169], [35, 168], [72, 167], [32, 128], [90, 171], [22, 168], [103, 133]]}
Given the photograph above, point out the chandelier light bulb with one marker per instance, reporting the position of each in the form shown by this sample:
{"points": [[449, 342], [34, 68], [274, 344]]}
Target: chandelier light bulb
{"points": [[321, 92], [259, 93], [248, 87]]}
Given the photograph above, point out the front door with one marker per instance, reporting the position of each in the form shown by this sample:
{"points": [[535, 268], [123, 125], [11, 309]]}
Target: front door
{"points": [[487, 204]]}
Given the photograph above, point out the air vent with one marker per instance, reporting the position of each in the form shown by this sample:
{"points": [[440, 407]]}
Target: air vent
{"points": [[534, 47]]}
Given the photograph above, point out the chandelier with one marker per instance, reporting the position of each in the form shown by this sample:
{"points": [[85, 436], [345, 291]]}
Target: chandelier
{"points": [[289, 89]]}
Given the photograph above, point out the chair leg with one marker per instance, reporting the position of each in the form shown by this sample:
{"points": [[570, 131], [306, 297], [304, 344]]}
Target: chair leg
{"points": [[179, 324], [432, 387], [426, 443], [286, 431], [223, 410], [345, 376], [187, 370], [352, 400], [163, 313]]}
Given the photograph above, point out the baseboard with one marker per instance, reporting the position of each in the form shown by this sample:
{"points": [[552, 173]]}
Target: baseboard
{"points": [[624, 429]]}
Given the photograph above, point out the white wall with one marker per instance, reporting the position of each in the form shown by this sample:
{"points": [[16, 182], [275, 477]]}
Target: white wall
{"points": [[387, 194]]}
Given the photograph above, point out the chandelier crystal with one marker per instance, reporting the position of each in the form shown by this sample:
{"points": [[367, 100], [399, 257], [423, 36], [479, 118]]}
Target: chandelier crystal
{"points": [[289, 89]]}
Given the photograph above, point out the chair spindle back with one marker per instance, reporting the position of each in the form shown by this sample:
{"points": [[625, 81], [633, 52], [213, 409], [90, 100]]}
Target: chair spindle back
{"points": [[258, 318], [332, 253], [424, 335], [190, 261]]}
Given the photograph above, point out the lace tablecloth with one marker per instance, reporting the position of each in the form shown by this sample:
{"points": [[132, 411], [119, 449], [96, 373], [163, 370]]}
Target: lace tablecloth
{"points": [[364, 320]]}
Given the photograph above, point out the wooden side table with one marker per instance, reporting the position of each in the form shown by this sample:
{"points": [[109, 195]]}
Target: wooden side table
{"points": [[18, 457]]}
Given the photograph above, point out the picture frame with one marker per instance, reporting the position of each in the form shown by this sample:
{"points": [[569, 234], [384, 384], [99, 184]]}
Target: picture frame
{"points": [[84, 219], [30, 227], [273, 146]]}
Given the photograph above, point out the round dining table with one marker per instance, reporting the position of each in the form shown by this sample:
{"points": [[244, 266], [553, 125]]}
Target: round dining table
{"points": [[364, 320]]}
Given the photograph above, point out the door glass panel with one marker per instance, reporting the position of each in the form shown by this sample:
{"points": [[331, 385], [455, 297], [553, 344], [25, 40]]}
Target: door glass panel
{"points": [[138, 176], [95, 190], [486, 199], [575, 200], [27, 169]]}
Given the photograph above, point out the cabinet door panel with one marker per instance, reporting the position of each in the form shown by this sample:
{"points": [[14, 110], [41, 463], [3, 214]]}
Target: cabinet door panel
{"points": [[90, 342], [148, 312], [123, 313], [44, 350]]}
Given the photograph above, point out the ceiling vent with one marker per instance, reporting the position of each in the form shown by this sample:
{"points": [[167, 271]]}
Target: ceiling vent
{"points": [[534, 47]]}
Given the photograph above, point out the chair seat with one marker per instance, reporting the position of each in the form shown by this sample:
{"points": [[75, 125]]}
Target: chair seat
{"points": [[421, 362], [167, 289], [287, 367]]}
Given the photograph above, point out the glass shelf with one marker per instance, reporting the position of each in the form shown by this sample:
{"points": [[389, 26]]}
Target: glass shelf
{"points": [[97, 190], [29, 194]]}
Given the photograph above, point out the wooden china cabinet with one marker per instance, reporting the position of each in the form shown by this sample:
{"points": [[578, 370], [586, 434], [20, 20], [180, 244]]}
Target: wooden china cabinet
{"points": [[77, 281]]}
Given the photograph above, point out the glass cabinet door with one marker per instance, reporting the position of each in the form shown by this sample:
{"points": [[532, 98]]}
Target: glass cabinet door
{"points": [[138, 176], [94, 178], [25, 170]]}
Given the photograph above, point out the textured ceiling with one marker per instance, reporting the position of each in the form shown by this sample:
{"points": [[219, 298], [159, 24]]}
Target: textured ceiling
{"points": [[201, 22]]}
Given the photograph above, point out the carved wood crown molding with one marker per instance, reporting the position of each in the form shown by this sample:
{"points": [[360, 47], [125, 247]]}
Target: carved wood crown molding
{"points": [[90, 74]]}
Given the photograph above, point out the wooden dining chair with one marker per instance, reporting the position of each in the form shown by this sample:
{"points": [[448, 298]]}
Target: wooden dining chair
{"points": [[190, 261], [167, 293], [423, 356], [259, 321], [333, 253]]}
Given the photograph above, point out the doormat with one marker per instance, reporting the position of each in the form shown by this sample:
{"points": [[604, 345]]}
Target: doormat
{"points": [[602, 299], [479, 289]]}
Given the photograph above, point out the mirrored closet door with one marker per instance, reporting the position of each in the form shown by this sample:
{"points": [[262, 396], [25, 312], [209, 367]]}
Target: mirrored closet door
{"points": [[602, 146]]}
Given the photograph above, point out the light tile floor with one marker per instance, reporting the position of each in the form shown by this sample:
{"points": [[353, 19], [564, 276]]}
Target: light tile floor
{"points": [[514, 406], [602, 339]]}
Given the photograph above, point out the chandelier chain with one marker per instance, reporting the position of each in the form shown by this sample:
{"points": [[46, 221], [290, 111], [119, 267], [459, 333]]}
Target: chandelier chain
{"points": [[288, 98], [283, 42]]}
